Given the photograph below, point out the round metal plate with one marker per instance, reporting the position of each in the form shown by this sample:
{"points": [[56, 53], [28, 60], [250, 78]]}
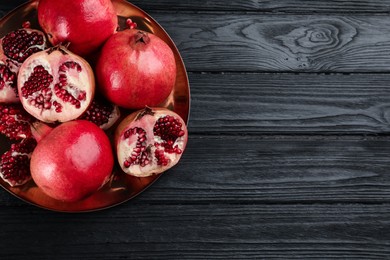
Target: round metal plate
{"points": [[121, 187]]}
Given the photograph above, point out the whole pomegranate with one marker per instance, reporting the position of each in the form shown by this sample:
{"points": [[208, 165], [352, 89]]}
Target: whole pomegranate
{"points": [[72, 161], [56, 85], [85, 24], [136, 69], [150, 141]]}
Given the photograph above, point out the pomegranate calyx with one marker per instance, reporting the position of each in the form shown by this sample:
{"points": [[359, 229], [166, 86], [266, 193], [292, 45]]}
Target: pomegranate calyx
{"points": [[146, 111], [63, 48], [142, 37]]}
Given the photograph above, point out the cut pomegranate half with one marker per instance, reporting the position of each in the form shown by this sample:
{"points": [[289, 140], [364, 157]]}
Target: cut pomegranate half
{"points": [[8, 88], [56, 85], [150, 141], [18, 45], [102, 113], [15, 163], [15, 122]]}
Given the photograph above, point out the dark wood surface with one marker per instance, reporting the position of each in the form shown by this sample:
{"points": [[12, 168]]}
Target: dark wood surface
{"points": [[289, 149]]}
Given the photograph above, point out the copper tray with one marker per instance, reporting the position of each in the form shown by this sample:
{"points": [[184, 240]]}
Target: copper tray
{"points": [[121, 187]]}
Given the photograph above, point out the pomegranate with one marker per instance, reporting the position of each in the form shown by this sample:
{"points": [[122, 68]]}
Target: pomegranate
{"points": [[15, 122], [72, 161], [136, 69], [18, 45], [102, 113], [8, 89], [56, 85], [150, 141], [85, 24], [15, 164]]}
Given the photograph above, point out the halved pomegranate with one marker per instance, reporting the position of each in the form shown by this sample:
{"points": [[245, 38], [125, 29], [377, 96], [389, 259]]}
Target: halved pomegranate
{"points": [[15, 163], [150, 141], [56, 85], [18, 45], [8, 88], [102, 113], [15, 122]]}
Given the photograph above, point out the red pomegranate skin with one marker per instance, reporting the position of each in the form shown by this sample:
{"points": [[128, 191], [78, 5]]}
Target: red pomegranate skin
{"points": [[86, 24], [73, 161], [134, 74]]}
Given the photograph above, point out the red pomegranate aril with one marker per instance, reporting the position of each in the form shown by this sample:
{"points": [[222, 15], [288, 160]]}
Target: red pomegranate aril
{"points": [[56, 85], [150, 141]]}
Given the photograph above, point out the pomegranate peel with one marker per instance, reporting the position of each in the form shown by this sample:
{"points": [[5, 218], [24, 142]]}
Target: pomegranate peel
{"points": [[150, 141]]}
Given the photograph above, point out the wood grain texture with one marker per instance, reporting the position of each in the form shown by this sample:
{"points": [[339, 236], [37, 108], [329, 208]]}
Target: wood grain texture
{"points": [[253, 43], [289, 103], [141, 231], [281, 6], [235, 169]]}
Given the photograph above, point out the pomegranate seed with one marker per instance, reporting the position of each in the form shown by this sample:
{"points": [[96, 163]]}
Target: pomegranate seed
{"points": [[131, 24], [26, 24]]}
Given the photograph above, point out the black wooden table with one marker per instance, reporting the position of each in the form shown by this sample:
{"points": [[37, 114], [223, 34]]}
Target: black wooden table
{"points": [[289, 150]]}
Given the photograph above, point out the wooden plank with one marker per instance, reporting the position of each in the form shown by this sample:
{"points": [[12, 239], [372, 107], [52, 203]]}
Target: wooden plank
{"points": [[141, 231], [253, 169], [275, 43], [274, 169], [285, 6], [289, 103], [282, 6]]}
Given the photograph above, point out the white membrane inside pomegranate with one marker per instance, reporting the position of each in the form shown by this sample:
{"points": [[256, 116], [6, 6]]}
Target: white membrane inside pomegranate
{"points": [[56, 85], [152, 143]]}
